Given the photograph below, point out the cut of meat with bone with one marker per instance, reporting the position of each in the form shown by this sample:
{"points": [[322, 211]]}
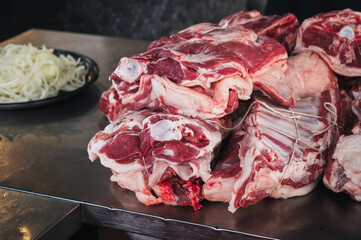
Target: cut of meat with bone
{"points": [[282, 152], [336, 37], [202, 71], [169, 107], [281, 28], [168, 154], [305, 66], [343, 172], [158, 92], [109, 104], [219, 187]]}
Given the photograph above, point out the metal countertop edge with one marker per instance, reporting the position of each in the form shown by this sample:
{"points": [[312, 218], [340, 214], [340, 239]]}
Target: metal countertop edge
{"points": [[137, 213], [63, 221]]}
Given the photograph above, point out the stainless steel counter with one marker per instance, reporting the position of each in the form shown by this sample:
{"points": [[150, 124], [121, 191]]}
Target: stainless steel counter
{"points": [[26, 216], [43, 151]]}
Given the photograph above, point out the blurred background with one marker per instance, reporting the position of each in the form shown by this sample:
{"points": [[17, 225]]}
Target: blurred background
{"points": [[143, 19], [140, 19]]}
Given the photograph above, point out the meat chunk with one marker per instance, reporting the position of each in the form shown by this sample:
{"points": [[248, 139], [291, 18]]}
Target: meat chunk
{"points": [[168, 108], [110, 104], [336, 37], [356, 102], [202, 71], [219, 187], [168, 154], [281, 153], [343, 171], [281, 28], [305, 66]]}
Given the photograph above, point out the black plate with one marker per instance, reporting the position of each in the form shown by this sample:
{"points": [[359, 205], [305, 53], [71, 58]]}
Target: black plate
{"points": [[91, 77]]}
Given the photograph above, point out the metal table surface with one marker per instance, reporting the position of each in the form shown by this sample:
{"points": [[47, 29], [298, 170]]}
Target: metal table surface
{"points": [[43, 151], [25, 216]]}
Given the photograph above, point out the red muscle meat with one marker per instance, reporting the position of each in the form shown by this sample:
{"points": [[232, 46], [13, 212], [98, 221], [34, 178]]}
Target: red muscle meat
{"points": [[220, 186], [343, 171], [202, 71], [167, 154], [170, 108], [110, 104], [281, 152], [336, 37], [281, 28]]}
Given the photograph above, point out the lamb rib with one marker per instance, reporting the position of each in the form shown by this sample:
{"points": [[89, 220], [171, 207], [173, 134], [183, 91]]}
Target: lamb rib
{"points": [[165, 153], [270, 161], [343, 171], [281, 28], [202, 71], [336, 37]]}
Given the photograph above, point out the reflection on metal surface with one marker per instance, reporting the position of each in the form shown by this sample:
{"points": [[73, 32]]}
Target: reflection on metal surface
{"points": [[52, 129], [26, 233], [10, 153], [56, 120], [25, 216]]}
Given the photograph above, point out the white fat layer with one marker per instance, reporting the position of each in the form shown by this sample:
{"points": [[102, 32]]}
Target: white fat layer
{"points": [[158, 169], [132, 180], [283, 191], [120, 168], [201, 57], [204, 166], [135, 181], [208, 76], [218, 189], [348, 154], [165, 130]]}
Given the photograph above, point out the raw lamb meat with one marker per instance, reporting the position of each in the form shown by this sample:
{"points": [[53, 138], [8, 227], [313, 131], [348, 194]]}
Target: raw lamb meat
{"points": [[224, 175], [167, 154], [305, 66], [343, 171], [169, 107], [109, 104], [336, 37], [271, 162], [202, 71], [281, 28], [356, 102]]}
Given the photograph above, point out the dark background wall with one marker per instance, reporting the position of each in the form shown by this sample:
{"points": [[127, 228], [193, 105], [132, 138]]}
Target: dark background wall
{"points": [[141, 19]]}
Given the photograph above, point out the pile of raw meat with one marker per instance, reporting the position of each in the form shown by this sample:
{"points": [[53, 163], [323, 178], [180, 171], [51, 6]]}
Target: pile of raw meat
{"points": [[238, 111]]}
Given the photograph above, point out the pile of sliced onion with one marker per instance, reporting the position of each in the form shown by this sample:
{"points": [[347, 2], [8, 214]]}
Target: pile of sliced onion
{"points": [[28, 73]]}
